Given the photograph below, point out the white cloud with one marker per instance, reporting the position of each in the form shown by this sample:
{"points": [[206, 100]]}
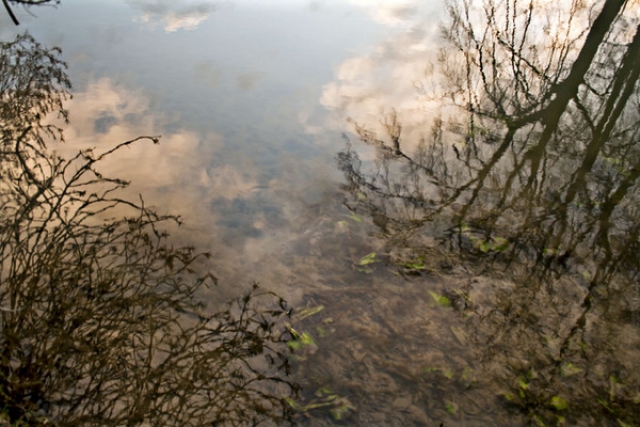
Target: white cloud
{"points": [[390, 12], [176, 175], [174, 15], [390, 78]]}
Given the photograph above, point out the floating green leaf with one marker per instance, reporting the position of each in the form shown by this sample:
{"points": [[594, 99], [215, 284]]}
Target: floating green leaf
{"points": [[338, 413], [480, 244], [325, 391], [418, 265], [302, 314], [323, 332], [299, 339], [613, 380], [441, 300], [292, 403], [500, 244], [325, 328], [327, 399], [306, 339], [538, 421], [522, 384], [605, 404], [365, 261], [293, 332], [340, 406], [294, 344], [466, 373], [368, 259], [569, 369], [355, 217], [296, 406], [460, 335], [451, 408], [586, 275], [559, 403], [317, 405], [496, 243], [342, 225]]}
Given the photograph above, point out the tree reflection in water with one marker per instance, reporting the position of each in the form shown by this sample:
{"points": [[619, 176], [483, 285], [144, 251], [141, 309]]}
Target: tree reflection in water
{"points": [[100, 322], [25, 4], [529, 178]]}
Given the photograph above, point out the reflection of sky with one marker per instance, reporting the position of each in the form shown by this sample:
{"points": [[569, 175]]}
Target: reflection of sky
{"points": [[250, 100], [238, 89]]}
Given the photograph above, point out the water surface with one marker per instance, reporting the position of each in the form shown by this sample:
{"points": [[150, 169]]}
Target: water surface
{"points": [[454, 219]]}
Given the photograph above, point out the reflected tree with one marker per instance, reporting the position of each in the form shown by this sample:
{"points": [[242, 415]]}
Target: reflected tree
{"points": [[100, 317], [536, 181], [25, 3]]}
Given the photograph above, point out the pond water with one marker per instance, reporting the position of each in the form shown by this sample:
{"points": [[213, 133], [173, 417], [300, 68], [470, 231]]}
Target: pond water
{"points": [[454, 219]]}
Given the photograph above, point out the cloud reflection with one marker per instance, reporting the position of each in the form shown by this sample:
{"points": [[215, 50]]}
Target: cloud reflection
{"points": [[390, 12], [173, 15], [176, 175], [228, 207], [394, 74]]}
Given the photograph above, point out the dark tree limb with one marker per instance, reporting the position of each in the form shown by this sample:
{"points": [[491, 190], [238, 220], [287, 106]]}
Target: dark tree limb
{"points": [[10, 12]]}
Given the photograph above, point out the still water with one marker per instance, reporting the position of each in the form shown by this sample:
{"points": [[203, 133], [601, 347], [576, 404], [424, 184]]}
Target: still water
{"points": [[447, 197]]}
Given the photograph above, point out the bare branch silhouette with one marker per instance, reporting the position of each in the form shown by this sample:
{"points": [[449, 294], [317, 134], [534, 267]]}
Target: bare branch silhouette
{"points": [[100, 317]]}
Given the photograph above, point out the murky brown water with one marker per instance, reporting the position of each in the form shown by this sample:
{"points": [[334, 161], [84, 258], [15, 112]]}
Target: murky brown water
{"points": [[453, 218]]}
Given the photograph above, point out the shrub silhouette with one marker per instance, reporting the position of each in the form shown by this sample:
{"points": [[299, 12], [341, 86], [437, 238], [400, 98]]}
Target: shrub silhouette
{"points": [[100, 323]]}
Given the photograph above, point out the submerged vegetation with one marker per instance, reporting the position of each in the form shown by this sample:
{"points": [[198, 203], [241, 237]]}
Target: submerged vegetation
{"points": [[100, 317]]}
